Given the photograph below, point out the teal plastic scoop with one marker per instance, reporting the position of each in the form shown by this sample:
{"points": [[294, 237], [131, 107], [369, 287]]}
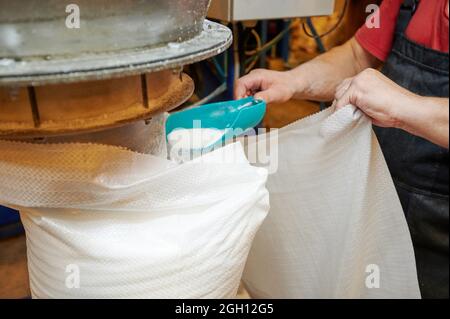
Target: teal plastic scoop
{"points": [[231, 117]]}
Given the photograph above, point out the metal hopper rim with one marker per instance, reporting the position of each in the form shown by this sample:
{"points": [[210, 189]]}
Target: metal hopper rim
{"points": [[214, 39]]}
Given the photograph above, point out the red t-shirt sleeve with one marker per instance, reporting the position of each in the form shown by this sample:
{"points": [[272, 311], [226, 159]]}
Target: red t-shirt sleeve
{"points": [[378, 41]]}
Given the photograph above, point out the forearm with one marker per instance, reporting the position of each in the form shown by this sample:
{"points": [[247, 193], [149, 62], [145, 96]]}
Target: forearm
{"points": [[318, 78], [427, 117]]}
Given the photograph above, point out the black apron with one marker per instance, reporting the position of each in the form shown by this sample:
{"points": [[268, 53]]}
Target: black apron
{"points": [[420, 168]]}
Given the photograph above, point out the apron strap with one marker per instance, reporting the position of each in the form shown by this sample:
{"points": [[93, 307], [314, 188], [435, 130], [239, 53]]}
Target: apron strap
{"points": [[407, 11]]}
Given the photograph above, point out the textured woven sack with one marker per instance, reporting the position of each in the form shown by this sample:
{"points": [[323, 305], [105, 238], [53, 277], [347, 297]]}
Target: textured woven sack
{"points": [[336, 228], [105, 222]]}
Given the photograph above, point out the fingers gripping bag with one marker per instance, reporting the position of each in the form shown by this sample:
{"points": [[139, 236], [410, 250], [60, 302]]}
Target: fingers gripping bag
{"points": [[102, 221]]}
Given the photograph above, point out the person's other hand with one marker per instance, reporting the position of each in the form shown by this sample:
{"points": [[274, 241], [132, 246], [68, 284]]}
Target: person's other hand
{"points": [[270, 86], [376, 95]]}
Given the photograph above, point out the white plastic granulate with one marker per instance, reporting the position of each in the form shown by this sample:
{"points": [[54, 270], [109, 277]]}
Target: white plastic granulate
{"points": [[195, 138], [6, 62], [186, 144], [9, 36]]}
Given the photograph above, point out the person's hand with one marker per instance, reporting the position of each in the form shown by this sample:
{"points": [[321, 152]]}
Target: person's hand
{"points": [[376, 95], [270, 86]]}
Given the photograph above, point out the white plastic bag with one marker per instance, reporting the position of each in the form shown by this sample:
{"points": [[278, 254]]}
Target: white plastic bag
{"points": [[336, 228], [139, 226], [105, 222]]}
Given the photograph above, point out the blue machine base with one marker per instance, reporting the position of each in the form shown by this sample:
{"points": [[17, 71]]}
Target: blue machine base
{"points": [[10, 224]]}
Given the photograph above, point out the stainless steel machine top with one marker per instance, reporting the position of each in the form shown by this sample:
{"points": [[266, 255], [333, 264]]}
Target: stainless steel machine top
{"points": [[41, 44]]}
